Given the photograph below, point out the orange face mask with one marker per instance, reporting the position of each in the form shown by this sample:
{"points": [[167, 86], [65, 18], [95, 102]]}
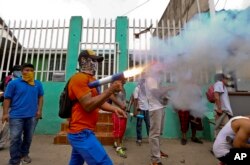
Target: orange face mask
{"points": [[29, 78]]}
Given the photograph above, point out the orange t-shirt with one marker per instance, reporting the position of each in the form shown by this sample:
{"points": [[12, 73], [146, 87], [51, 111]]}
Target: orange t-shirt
{"points": [[81, 119]]}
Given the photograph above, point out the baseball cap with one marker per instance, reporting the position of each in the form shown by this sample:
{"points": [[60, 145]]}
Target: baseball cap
{"points": [[90, 54]]}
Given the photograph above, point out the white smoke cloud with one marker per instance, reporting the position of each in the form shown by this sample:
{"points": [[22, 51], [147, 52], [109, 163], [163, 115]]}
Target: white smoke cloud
{"points": [[205, 44]]}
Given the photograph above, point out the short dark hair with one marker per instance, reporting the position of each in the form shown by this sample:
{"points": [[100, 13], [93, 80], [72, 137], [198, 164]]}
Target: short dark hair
{"points": [[16, 68], [27, 65]]}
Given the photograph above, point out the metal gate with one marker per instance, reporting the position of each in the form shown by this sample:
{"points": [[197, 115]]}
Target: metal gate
{"points": [[45, 43]]}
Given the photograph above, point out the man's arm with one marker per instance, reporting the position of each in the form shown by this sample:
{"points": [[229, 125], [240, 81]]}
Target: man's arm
{"points": [[108, 107], [117, 102], [91, 103], [136, 106], [6, 106], [218, 102], [242, 136], [40, 108]]}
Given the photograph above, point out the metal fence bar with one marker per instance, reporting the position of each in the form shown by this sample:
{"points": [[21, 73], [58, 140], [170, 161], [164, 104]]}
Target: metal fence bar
{"points": [[10, 51], [1, 34], [17, 43], [61, 54], [24, 32], [44, 51], [103, 50], [56, 47], [38, 51], [110, 53], [34, 42], [98, 42], [28, 42], [50, 49]]}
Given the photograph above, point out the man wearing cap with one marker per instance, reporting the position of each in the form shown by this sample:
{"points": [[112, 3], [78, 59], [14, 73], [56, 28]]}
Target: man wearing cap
{"points": [[15, 73], [85, 146], [223, 110]]}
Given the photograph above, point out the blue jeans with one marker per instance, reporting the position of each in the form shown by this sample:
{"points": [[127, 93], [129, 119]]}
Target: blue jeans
{"points": [[21, 132], [86, 147], [139, 124]]}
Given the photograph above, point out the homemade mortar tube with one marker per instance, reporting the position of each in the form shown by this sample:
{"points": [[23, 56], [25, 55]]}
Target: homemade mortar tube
{"points": [[106, 80]]}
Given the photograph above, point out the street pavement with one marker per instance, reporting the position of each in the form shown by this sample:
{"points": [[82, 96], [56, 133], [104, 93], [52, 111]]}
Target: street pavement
{"points": [[44, 152]]}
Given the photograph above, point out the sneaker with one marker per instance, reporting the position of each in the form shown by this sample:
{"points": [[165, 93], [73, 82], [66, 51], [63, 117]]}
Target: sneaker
{"points": [[138, 142], [115, 146], [156, 163], [121, 152], [183, 141], [26, 159], [16, 163], [164, 155], [196, 140]]}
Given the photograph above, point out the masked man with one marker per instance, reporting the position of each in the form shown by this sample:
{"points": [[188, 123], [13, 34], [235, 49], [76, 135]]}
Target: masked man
{"points": [[84, 115], [22, 107]]}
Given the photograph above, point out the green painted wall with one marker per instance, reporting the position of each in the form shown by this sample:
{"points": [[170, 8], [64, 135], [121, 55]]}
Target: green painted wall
{"points": [[50, 124]]}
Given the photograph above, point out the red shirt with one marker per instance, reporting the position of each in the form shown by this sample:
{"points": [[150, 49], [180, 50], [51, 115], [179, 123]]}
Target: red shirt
{"points": [[81, 119]]}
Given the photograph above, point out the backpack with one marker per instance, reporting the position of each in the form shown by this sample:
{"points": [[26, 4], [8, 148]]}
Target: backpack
{"points": [[210, 94], [65, 104]]}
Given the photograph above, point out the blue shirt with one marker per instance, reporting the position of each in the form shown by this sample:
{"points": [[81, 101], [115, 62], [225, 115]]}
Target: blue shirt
{"points": [[24, 98]]}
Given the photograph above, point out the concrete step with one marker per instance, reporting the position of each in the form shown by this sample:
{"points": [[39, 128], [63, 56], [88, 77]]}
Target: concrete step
{"points": [[103, 130], [104, 127], [61, 138], [106, 138], [100, 127]]}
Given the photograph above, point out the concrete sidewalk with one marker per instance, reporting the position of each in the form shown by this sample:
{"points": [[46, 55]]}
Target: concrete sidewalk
{"points": [[44, 152]]}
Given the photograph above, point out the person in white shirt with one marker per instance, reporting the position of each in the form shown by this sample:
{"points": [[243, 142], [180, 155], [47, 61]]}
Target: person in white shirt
{"points": [[155, 93], [223, 110], [141, 107], [234, 135]]}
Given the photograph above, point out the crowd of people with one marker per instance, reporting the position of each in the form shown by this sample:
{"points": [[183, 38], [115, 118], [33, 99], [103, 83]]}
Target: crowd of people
{"points": [[23, 101]]}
